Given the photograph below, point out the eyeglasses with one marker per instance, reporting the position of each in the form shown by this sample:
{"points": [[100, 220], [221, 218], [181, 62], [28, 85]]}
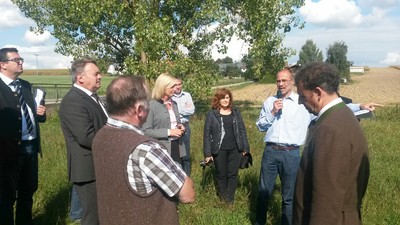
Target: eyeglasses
{"points": [[282, 81], [16, 60]]}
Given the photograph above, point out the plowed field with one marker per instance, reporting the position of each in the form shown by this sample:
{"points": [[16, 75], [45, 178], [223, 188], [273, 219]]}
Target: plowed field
{"points": [[379, 85]]}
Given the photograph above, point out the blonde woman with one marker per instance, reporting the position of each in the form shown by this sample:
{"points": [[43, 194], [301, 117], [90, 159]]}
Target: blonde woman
{"points": [[163, 122]]}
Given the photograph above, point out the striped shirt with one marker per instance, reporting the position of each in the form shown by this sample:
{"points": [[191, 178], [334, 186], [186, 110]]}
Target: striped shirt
{"points": [[149, 166]]}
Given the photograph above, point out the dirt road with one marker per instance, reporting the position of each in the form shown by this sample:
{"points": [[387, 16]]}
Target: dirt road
{"points": [[379, 85]]}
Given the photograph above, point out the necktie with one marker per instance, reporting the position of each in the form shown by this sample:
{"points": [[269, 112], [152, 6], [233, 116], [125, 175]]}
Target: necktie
{"points": [[24, 106], [96, 97]]}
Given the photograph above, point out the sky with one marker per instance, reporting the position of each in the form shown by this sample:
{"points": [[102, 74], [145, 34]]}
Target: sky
{"points": [[369, 28]]}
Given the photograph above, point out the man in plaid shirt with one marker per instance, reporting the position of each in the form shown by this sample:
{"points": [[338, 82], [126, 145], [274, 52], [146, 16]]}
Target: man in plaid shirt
{"points": [[138, 182]]}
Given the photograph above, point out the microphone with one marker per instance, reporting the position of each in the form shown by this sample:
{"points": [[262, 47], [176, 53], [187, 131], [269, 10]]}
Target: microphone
{"points": [[279, 95]]}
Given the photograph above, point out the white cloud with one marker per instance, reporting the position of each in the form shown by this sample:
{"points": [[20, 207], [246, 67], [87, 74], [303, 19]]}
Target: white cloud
{"points": [[45, 55], [11, 16], [379, 3], [331, 13], [33, 38], [236, 49], [392, 59]]}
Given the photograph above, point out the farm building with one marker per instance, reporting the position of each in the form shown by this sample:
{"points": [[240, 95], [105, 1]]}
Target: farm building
{"points": [[357, 69]]}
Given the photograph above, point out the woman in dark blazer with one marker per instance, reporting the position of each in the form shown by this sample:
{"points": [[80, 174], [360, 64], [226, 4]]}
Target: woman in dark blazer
{"points": [[225, 141], [163, 122]]}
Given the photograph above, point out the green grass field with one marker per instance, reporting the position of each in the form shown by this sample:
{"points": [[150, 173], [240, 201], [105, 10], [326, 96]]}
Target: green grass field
{"points": [[381, 204], [56, 86]]}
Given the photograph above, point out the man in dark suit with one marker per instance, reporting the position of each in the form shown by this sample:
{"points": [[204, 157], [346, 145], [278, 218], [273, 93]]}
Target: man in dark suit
{"points": [[334, 168], [19, 140], [82, 115]]}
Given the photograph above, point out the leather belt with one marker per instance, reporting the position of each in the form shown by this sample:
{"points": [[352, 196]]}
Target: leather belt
{"points": [[282, 147]]}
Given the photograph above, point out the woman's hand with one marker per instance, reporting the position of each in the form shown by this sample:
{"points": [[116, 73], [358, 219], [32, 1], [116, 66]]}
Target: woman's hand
{"points": [[181, 127], [176, 132], [208, 159]]}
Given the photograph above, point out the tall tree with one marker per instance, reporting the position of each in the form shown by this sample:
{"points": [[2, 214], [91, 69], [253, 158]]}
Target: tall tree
{"points": [[337, 55], [150, 37], [227, 60], [310, 53]]}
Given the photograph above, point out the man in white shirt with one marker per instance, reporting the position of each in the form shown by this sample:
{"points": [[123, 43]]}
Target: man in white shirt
{"points": [[186, 109]]}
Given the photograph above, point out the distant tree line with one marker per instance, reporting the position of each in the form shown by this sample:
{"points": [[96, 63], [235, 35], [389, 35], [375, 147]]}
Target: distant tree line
{"points": [[336, 55]]}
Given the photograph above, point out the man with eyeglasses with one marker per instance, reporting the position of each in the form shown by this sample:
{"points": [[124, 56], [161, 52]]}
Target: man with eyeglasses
{"points": [[19, 140], [286, 123]]}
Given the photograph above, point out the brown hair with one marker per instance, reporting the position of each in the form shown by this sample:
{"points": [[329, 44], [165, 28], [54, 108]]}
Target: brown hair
{"points": [[220, 94]]}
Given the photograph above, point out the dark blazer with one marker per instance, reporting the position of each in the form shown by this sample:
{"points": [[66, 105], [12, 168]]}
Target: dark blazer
{"points": [[158, 122], [10, 118], [81, 118], [334, 171], [213, 132]]}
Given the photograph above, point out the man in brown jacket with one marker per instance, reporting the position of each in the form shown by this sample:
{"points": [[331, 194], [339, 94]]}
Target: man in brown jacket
{"points": [[334, 168]]}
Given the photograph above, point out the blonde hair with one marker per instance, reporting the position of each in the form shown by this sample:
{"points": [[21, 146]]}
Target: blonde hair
{"points": [[163, 82]]}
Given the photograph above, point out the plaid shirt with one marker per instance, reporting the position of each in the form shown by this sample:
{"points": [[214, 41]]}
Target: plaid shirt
{"points": [[150, 166]]}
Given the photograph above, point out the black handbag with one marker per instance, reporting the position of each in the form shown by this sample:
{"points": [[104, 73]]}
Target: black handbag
{"points": [[246, 161]]}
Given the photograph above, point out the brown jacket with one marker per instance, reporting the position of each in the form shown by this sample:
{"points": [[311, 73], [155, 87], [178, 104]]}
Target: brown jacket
{"points": [[334, 170], [118, 203]]}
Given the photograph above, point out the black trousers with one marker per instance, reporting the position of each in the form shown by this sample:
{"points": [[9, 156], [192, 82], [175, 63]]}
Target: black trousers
{"points": [[175, 151], [227, 167], [19, 181]]}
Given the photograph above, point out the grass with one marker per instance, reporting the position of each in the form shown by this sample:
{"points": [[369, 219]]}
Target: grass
{"points": [[46, 72], [381, 204]]}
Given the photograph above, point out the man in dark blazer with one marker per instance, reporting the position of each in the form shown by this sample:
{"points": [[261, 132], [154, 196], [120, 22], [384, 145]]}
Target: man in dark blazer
{"points": [[82, 115], [19, 140], [334, 168]]}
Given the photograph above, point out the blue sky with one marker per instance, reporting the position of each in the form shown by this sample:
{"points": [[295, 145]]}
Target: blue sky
{"points": [[370, 29]]}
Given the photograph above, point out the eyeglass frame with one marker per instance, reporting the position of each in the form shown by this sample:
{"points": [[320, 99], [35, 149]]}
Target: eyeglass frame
{"points": [[16, 60]]}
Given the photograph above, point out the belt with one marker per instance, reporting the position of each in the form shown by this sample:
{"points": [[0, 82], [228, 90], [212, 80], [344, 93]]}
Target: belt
{"points": [[28, 142], [282, 147]]}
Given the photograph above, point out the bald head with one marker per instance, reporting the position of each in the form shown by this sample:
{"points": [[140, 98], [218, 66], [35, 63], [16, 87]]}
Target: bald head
{"points": [[126, 92]]}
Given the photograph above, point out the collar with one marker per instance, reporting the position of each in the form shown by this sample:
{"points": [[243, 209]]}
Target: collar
{"points": [[327, 109], [123, 125], [179, 95], [293, 96], [329, 105], [83, 89], [6, 79]]}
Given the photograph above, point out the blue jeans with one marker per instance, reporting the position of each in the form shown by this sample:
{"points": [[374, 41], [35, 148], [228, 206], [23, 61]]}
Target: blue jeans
{"points": [[186, 159], [274, 163], [75, 212]]}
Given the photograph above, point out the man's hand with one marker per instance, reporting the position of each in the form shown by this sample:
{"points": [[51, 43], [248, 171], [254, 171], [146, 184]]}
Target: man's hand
{"points": [[278, 104], [370, 106], [41, 110]]}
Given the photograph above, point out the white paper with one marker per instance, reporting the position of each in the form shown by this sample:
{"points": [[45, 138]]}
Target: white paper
{"points": [[39, 96], [363, 114]]}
